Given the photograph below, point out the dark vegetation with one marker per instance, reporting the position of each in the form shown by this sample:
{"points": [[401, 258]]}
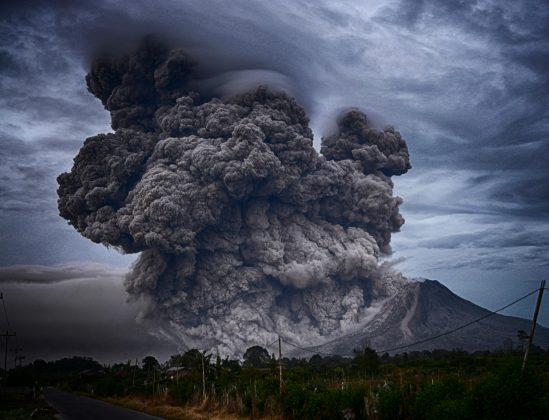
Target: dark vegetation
{"points": [[419, 385], [21, 398]]}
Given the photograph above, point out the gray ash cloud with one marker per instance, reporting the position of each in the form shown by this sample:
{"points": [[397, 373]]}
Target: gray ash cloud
{"points": [[244, 229]]}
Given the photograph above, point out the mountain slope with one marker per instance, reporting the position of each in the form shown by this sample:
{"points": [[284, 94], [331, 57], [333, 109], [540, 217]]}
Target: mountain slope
{"points": [[418, 310]]}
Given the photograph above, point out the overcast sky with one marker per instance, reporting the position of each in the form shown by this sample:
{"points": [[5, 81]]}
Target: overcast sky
{"points": [[466, 83]]}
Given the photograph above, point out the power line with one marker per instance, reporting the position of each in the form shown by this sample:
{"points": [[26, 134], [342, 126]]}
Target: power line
{"points": [[270, 344], [419, 341], [310, 351]]}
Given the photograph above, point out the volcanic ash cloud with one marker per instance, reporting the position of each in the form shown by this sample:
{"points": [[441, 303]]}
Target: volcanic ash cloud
{"points": [[244, 230]]}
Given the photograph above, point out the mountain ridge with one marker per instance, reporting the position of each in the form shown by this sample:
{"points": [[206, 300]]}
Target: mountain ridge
{"points": [[420, 309]]}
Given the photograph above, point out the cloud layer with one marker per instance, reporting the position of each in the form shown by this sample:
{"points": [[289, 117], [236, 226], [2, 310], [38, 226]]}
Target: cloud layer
{"points": [[60, 311]]}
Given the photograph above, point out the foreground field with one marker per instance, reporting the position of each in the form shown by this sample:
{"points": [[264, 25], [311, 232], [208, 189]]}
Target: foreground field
{"points": [[418, 385]]}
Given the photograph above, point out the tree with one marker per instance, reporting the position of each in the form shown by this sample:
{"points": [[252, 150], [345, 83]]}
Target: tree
{"points": [[256, 356], [192, 359], [39, 365], [149, 363], [315, 361], [366, 359], [176, 360]]}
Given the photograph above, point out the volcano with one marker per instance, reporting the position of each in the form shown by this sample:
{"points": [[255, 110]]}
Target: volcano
{"points": [[407, 311]]}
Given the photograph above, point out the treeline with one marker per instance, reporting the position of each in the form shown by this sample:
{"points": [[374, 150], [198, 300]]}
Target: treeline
{"points": [[419, 385]]}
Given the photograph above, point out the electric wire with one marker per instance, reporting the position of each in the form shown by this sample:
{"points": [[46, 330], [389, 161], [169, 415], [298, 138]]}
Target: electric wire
{"points": [[270, 344]]}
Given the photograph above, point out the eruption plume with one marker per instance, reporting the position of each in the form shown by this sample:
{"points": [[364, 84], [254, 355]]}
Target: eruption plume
{"points": [[244, 230]]}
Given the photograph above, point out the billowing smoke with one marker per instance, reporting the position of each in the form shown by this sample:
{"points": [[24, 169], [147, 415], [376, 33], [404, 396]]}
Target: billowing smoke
{"points": [[244, 229]]}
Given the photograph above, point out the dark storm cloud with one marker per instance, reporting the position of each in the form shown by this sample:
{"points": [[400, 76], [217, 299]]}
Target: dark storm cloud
{"points": [[522, 197], [41, 63], [30, 228], [9, 65], [518, 32], [493, 260], [484, 261], [495, 133], [507, 22], [27, 187], [54, 109], [506, 193], [504, 238], [11, 147], [74, 32]]}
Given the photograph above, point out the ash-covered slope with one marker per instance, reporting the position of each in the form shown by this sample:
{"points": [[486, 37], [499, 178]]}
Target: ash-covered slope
{"points": [[415, 310]]}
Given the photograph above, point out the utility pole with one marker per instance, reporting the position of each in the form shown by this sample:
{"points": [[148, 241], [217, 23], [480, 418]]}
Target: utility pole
{"points": [[7, 335], [280, 364], [16, 351], [154, 377], [203, 380], [534, 321], [133, 375]]}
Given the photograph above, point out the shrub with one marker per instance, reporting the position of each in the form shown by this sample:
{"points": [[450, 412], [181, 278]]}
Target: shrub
{"points": [[391, 404], [108, 386], [182, 392], [509, 394], [441, 397]]}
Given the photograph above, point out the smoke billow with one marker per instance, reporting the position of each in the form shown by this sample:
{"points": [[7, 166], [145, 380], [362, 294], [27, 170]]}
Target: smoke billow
{"points": [[244, 229]]}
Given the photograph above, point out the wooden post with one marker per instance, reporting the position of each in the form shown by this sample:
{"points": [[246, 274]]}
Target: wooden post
{"points": [[534, 321], [133, 376], [280, 364], [203, 380], [154, 377], [7, 336]]}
